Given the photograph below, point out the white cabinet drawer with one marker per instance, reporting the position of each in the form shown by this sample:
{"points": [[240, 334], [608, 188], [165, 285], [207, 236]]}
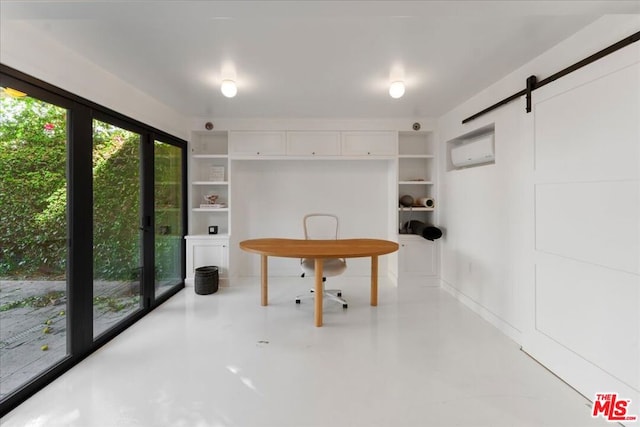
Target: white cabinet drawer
{"points": [[313, 143], [257, 143], [369, 143]]}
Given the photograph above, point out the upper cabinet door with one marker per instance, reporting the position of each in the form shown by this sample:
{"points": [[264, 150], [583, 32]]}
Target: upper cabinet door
{"points": [[363, 143], [313, 143], [257, 143]]}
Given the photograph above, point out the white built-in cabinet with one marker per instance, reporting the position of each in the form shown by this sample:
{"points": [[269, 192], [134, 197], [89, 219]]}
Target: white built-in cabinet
{"points": [[416, 172], [364, 143], [205, 250], [257, 143], [254, 144], [411, 154], [418, 258], [315, 143], [208, 175]]}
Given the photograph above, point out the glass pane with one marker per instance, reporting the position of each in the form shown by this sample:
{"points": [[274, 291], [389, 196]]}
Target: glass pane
{"points": [[33, 236], [117, 236], [168, 211]]}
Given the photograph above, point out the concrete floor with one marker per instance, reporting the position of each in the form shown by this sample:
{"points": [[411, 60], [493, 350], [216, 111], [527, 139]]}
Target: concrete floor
{"points": [[418, 359]]}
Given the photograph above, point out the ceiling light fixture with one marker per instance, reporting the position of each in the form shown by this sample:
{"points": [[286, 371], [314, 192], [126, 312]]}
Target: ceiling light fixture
{"points": [[229, 88], [13, 93], [396, 90]]}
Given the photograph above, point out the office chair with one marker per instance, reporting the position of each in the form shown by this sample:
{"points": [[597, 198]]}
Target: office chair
{"points": [[319, 226]]}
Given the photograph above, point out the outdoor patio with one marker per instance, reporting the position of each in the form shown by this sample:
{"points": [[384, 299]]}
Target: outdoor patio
{"points": [[33, 323]]}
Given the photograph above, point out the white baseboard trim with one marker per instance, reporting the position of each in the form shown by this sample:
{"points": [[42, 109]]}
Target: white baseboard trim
{"points": [[484, 313], [418, 281], [579, 373], [222, 281]]}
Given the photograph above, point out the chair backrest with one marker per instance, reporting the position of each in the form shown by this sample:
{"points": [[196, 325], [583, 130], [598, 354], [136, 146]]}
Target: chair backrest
{"points": [[319, 226]]}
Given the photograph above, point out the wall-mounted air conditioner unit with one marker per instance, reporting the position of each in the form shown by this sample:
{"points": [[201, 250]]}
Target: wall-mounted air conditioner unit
{"points": [[473, 152]]}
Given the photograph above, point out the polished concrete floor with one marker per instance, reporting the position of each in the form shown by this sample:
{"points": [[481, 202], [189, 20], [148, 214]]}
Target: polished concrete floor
{"points": [[418, 359]]}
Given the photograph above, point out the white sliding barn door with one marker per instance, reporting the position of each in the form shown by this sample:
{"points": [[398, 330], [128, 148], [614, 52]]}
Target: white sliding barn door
{"points": [[585, 300]]}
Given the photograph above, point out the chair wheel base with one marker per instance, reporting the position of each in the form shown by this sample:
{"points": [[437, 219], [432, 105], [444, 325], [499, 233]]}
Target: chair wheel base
{"points": [[297, 301], [345, 305], [339, 294]]}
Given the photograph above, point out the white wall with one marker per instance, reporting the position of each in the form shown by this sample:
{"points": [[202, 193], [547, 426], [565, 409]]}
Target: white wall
{"points": [[545, 243], [483, 211], [270, 198], [32, 52]]}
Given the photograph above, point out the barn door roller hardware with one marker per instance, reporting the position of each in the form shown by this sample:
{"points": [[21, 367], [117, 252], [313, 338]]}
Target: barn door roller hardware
{"points": [[533, 83]]}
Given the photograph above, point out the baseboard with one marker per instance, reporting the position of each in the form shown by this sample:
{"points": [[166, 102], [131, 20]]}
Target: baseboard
{"points": [[484, 313], [222, 281], [579, 373], [419, 281]]}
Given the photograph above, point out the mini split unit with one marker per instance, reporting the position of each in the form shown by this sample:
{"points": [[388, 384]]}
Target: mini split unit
{"points": [[477, 151]]}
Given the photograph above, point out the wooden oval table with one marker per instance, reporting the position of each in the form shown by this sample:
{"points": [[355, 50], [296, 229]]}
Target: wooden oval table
{"points": [[319, 250]]}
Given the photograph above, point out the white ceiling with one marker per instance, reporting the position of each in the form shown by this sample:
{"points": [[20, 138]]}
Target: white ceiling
{"points": [[311, 59]]}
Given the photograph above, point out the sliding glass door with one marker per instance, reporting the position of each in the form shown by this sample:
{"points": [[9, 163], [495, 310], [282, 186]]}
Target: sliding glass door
{"points": [[117, 225], [91, 229], [33, 237], [169, 213]]}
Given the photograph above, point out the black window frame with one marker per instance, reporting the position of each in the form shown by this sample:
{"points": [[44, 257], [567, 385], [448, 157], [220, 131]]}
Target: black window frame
{"points": [[81, 113]]}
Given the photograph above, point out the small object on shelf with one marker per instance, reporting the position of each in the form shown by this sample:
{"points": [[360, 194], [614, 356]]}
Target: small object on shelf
{"points": [[406, 201], [429, 232], [210, 198], [213, 229], [427, 202]]}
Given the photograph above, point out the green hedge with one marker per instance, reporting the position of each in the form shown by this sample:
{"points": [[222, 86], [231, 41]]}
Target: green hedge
{"points": [[32, 176], [33, 194]]}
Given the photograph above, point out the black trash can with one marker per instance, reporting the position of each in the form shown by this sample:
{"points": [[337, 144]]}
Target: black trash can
{"points": [[206, 280]]}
